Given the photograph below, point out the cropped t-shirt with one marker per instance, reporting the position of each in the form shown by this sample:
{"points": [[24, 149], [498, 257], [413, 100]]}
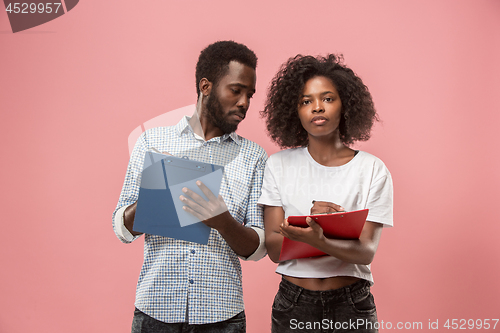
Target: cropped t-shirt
{"points": [[293, 179]]}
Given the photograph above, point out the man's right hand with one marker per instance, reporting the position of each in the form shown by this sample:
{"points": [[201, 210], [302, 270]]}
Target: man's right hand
{"points": [[128, 219]]}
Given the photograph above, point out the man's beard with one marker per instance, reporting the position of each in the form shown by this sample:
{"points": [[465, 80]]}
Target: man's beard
{"points": [[215, 114]]}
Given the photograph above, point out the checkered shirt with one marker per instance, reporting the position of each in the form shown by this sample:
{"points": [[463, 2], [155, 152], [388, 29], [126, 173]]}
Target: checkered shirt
{"points": [[188, 282]]}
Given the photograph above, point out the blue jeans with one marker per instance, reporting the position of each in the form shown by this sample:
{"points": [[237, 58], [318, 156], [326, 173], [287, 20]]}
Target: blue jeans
{"points": [[347, 309], [143, 323]]}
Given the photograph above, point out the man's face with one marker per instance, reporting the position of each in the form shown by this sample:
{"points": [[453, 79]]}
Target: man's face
{"points": [[229, 100]]}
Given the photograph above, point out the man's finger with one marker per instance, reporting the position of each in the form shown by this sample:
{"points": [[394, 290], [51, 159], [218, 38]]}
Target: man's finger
{"points": [[194, 206], [195, 196], [193, 212], [206, 191]]}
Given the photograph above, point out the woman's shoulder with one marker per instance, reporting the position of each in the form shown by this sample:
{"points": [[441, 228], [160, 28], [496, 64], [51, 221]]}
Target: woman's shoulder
{"points": [[286, 158], [288, 153], [367, 159]]}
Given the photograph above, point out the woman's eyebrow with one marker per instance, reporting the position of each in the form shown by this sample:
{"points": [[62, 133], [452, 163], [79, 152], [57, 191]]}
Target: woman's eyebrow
{"points": [[322, 93]]}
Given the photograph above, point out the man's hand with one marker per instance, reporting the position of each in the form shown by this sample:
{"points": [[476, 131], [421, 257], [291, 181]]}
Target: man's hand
{"points": [[128, 219], [322, 207], [204, 210], [214, 213]]}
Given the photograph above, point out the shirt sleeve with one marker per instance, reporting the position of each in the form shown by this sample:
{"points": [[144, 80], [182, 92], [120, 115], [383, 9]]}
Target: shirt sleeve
{"points": [[380, 200], [120, 229], [130, 189], [255, 213], [270, 194], [261, 251]]}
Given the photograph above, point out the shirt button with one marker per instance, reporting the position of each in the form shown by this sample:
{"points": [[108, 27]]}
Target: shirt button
{"points": [[191, 281], [193, 251]]}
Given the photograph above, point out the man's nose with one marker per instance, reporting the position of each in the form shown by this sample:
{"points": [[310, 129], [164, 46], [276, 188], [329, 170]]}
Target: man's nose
{"points": [[243, 102]]}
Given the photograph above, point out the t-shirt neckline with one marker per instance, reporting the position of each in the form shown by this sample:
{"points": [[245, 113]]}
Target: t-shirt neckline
{"points": [[314, 162]]}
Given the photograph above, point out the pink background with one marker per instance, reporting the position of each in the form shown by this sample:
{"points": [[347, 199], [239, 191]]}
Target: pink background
{"points": [[72, 90]]}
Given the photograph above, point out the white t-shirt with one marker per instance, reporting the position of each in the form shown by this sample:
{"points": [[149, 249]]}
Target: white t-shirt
{"points": [[293, 179]]}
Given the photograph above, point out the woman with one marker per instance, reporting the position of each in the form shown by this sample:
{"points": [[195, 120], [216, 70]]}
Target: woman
{"points": [[318, 107]]}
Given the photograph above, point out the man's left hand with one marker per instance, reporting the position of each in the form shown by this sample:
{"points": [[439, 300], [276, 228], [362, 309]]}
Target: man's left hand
{"points": [[204, 210]]}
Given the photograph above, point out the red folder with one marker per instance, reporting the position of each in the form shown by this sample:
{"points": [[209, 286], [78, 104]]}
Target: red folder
{"points": [[345, 225]]}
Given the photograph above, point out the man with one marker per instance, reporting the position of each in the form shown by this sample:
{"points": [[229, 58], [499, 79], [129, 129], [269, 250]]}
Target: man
{"points": [[184, 286]]}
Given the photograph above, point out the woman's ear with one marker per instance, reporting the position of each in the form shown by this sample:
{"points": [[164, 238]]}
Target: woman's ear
{"points": [[205, 87]]}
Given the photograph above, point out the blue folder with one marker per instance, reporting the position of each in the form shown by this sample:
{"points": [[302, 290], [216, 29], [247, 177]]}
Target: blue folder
{"points": [[159, 209]]}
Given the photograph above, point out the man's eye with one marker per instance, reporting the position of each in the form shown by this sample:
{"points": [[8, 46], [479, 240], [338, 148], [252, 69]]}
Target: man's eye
{"points": [[235, 91]]}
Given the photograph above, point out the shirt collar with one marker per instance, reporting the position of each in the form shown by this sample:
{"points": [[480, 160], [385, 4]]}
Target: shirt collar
{"points": [[183, 127]]}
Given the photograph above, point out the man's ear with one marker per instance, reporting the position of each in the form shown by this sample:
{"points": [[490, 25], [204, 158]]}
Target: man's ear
{"points": [[205, 86]]}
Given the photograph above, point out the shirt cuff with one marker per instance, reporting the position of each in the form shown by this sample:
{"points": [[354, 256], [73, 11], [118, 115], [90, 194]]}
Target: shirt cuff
{"points": [[260, 252], [121, 230]]}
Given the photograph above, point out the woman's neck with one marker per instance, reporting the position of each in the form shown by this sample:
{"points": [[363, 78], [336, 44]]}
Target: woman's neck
{"points": [[329, 152]]}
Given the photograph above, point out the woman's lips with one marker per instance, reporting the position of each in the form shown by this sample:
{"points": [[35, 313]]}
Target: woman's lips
{"points": [[319, 120]]}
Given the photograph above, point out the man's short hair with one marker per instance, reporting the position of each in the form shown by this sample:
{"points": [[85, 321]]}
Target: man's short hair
{"points": [[214, 60]]}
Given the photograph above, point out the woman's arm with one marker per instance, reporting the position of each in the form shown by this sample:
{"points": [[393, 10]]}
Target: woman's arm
{"points": [[359, 251], [273, 218]]}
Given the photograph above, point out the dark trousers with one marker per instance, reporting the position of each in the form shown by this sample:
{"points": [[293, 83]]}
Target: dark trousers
{"points": [[347, 309], [143, 323]]}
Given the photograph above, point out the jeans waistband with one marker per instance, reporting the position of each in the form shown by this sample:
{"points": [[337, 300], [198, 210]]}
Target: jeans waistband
{"points": [[295, 292]]}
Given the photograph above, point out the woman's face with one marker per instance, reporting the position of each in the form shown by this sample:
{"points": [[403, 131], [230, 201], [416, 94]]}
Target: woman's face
{"points": [[320, 108]]}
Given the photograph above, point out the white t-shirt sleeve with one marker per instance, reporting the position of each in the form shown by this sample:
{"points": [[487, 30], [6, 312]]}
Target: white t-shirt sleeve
{"points": [[380, 199], [270, 195]]}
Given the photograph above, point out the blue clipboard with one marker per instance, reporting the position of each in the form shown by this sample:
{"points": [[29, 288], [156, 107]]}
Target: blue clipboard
{"points": [[159, 209]]}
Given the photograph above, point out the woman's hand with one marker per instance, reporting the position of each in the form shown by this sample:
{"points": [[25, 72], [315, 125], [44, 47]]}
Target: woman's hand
{"points": [[322, 207], [311, 235]]}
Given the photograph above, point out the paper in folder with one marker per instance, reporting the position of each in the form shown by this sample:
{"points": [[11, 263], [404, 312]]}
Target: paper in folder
{"points": [[159, 209], [345, 225]]}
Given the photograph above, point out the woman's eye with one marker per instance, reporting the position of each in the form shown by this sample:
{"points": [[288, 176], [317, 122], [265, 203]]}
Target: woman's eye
{"points": [[306, 102], [328, 99]]}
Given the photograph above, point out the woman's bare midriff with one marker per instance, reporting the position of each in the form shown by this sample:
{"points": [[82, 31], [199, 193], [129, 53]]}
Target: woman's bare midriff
{"points": [[323, 283]]}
